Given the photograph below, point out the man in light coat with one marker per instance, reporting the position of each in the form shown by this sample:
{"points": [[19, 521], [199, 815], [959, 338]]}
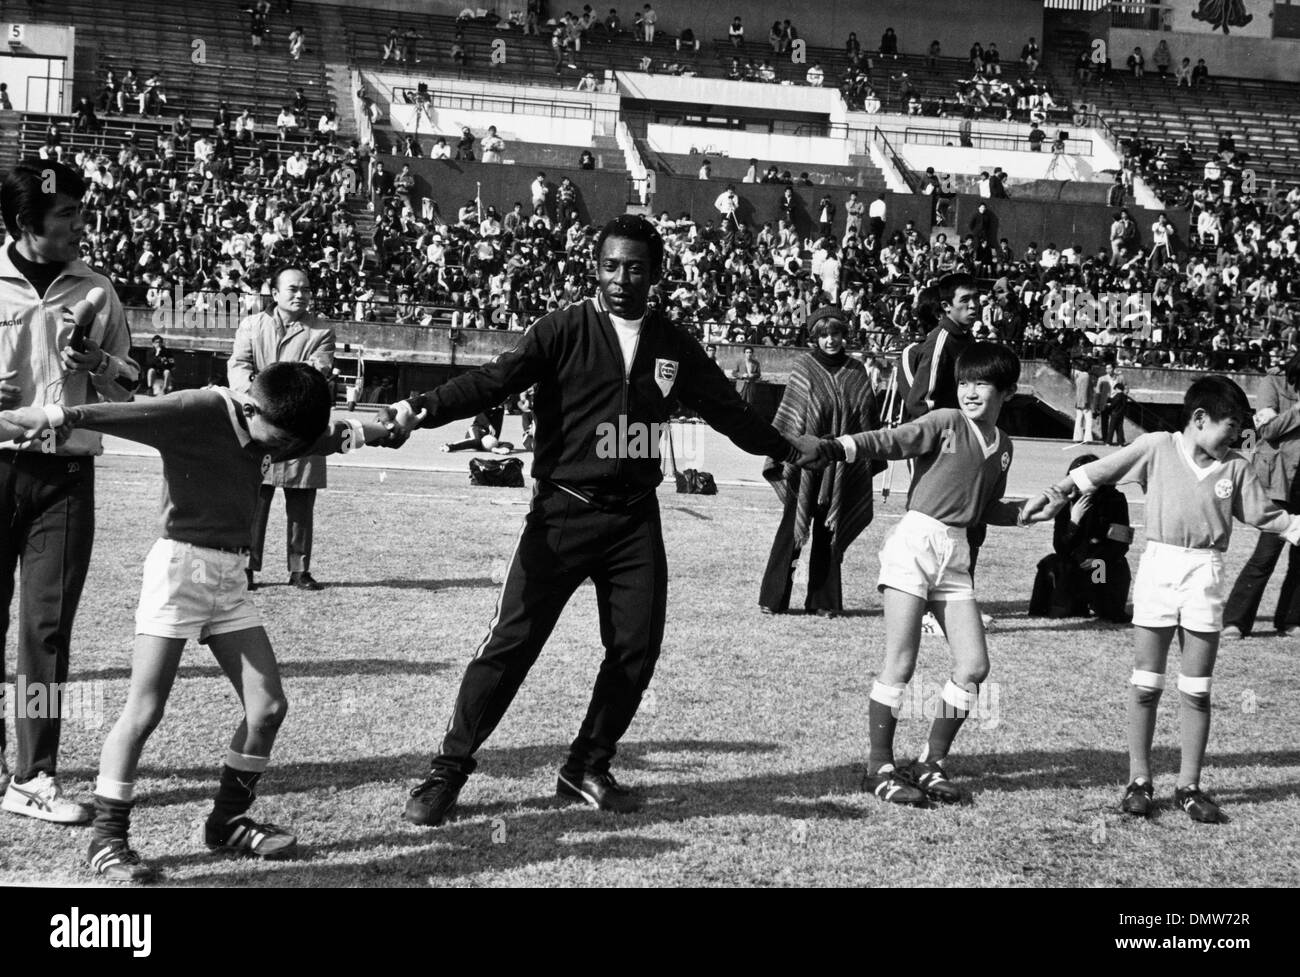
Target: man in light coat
{"points": [[288, 333]]}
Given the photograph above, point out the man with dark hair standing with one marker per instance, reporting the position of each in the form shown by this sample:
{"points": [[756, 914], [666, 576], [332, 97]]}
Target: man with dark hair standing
{"points": [[935, 383], [609, 373], [288, 333], [47, 489]]}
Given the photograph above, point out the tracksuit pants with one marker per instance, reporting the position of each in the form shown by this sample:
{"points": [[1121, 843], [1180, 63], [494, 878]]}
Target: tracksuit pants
{"points": [[47, 524], [299, 509], [564, 542]]}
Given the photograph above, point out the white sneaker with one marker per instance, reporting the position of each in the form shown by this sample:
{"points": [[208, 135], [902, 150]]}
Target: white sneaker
{"points": [[930, 624], [42, 797]]}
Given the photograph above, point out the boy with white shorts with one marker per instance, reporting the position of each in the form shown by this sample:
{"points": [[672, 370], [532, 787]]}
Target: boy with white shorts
{"points": [[1195, 486], [215, 446], [960, 474]]}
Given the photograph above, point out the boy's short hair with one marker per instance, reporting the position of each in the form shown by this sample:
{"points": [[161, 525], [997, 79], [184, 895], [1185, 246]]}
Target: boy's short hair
{"points": [[1218, 396], [295, 397], [989, 362], [949, 284], [1080, 461], [25, 197]]}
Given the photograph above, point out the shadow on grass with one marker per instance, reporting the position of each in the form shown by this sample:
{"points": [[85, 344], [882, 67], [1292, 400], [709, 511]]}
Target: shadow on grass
{"points": [[397, 583], [331, 668]]}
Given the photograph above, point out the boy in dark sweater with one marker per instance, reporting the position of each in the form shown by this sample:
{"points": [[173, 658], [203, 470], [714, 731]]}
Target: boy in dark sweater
{"points": [[215, 445]]}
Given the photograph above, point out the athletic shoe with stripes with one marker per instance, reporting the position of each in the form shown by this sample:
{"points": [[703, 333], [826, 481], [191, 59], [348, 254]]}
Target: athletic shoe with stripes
{"points": [[891, 786], [598, 790], [1197, 805], [930, 777], [244, 836], [1138, 799], [115, 861], [42, 797]]}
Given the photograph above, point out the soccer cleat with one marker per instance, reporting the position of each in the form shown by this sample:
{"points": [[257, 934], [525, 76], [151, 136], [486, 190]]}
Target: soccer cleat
{"points": [[1232, 632], [42, 797], [891, 786], [598, 790], [432, 801], [1197, 805], [1138, 799], [930, 624], [114, 861], [243, 836], [930, 777]]}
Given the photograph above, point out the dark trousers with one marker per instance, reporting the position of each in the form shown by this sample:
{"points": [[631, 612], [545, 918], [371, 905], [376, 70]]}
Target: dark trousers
{"points": [[1112, 421], [564, 542], [299, 508], [1248, 591], [824, 589], [47, 518]]}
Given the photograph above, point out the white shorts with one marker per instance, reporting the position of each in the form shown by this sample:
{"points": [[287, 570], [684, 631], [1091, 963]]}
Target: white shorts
{"points": [[1179, 586], [194, 592], [927, 559]]}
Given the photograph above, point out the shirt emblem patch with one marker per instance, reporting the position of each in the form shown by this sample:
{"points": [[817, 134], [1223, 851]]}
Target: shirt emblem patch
{"points": [[665, 375], [1006, 460], [266, 465], [1223, 488]]}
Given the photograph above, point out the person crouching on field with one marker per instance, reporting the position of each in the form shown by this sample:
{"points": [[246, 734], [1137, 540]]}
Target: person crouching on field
{"points": [[1195, 485], [960, 474], [194, 583]]}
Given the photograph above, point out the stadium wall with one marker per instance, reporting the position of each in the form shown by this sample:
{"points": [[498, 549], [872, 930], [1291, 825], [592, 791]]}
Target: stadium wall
{"points": [[954, 23], [1231, 55]]}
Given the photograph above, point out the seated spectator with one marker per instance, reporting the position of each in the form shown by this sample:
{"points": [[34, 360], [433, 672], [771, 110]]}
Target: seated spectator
{"points": [[1200, 74], [736, 33], [586, 161], [933, 54], [158, 364], [297, 43], [1137, 64], [391, 49], [1184, 73], [152, 98], [815, 75], [1088, 570], [465, 145], [1162, 59], [327, 129], [494, 147], [286, 122], [889, 44], [85, 119], [440, 149], [686, 39], [587, 83]]}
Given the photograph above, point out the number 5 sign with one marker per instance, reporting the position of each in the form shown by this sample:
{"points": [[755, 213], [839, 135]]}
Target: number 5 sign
{"points": [[17, 35]]}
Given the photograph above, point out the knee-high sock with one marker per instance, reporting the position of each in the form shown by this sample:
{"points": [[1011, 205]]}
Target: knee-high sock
{"points": [[1194, 720], [113, 803], [237, 789], [882, 717], [1144, 697], [957, 704]]}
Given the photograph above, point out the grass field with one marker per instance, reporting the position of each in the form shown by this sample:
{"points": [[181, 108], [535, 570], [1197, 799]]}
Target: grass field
{"points": [[750, 743]]}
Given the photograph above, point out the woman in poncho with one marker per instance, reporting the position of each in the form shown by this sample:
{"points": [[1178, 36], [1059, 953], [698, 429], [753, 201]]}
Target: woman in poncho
{"points": [[829, 394]]}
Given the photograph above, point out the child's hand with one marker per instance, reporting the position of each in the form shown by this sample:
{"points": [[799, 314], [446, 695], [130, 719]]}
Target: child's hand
{"points": [[24, 424]]}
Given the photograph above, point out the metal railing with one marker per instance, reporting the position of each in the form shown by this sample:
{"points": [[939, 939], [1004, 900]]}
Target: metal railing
{"points": [[942, 137], [910, 178], [1140, 16], [501, 104]]}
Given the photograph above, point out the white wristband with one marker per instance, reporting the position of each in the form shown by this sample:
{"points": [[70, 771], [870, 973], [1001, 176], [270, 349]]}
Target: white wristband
{"points": [[55, 415], [358, 440], [850, 448]]}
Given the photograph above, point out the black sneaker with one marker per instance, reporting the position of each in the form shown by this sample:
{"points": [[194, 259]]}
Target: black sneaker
{"points": [[1138, 798], [113, 860], [244, 836], [432, 801], [598, 790], [891, 786], [304, 581], [930, 777], [1197, 805]]}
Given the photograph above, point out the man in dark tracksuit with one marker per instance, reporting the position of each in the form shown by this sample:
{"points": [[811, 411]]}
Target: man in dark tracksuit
{"points": [[934, 375], [608, 374]]}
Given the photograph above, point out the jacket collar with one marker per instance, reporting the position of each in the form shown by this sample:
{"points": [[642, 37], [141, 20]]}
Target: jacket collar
{"points": [[76, 268]]}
